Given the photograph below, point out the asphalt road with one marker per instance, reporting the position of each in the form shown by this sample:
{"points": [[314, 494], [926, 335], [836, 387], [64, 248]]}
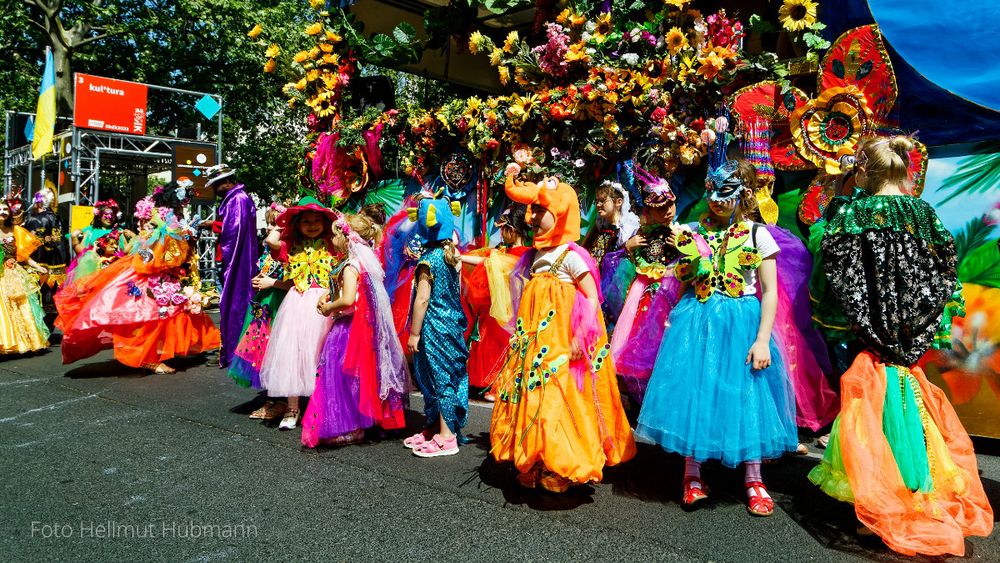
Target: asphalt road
{"points": [[100, 462]]}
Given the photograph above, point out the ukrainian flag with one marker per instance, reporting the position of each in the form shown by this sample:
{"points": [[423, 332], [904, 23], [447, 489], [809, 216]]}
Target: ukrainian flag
{"points": [[45, 115]]}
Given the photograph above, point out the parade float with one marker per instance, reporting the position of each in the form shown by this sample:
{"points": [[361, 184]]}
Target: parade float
{"points": [[587, 90]]}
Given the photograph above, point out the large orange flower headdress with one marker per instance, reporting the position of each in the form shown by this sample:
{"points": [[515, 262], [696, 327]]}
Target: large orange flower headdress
{"points": [[558, 198]]}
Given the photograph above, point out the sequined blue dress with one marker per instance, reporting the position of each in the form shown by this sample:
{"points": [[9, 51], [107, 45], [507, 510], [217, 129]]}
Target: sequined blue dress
{"points": [[440, 362]]}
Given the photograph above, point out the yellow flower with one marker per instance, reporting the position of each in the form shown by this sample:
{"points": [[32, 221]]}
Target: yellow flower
{"points": [[496, 57], [291, 102], [797, 15], [314, 52], [326, 47], [577, 52], [504, 74], [520, 107], [711, 65], [578, 20], [301, 85], [270, 65], [272, 51], [333, 37], [676, 40], [473, 104], [475, 42], [314, 28], [330, 80], [301, 57], [564, 15], [604, 27], [289, 88], [312, 75], [331, 59], [253, 33], [317, 4], [676, 3], [511, 42]]}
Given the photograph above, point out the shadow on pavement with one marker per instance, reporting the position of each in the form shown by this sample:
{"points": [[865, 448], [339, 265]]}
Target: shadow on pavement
{"points": [[503, 476]]}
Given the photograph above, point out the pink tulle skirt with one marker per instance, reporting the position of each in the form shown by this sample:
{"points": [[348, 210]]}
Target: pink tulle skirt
{"points": [[297, 335]]}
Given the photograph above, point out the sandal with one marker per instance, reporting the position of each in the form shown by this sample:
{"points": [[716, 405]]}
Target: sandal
{"points": [[553, 482], [693, 494], [529, 479], [345, 439], [438, 446], [801, 449], [759, 503], [823, 441], [290, 421], [159, 369], [418, 439], [262, 412]]}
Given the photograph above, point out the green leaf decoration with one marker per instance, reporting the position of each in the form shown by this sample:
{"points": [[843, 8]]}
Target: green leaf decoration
{"points": [[975, 234], [981, 266], [976, 173]]}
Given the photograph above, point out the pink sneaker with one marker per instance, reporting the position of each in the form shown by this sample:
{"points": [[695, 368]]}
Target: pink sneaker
{"points": [[418, 439], [437, 447]]}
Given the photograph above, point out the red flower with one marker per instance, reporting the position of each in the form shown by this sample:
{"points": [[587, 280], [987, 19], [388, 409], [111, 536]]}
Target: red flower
{"points": [[698, 124]]}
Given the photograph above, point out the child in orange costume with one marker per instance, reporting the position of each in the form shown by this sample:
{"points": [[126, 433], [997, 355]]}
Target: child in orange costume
{"points": [[558, 414]]}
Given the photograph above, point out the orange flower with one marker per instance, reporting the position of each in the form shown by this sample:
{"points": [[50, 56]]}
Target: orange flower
{"points": [[301, 57], [253, 33], [314, 28], [270, 65], [711, 65], [272, 51]]}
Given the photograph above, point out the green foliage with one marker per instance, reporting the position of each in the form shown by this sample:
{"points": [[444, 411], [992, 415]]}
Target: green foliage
{"points": [[975, 234], [976, 173], [981, 265]]}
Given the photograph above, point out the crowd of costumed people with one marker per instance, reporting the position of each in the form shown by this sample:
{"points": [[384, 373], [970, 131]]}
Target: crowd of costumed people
{"points": [[701, 335], [723, 338]]}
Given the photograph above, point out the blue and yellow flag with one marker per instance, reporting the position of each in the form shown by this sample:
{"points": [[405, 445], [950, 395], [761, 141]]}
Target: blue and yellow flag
{"points": [[45, 115]]}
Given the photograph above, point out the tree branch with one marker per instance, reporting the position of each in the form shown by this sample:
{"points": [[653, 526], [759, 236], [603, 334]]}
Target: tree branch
{"points": [[94, 38]]}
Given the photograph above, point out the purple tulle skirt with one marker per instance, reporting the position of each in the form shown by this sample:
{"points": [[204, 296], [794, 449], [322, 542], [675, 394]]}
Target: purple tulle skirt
{"points": [[333, 408]]}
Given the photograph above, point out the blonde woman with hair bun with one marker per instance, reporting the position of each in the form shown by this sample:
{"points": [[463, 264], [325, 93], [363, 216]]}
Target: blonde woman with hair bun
{"points": [[897, 451]]}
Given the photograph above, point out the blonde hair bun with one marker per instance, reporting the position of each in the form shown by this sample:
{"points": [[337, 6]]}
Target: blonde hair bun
{"points": [[902, 146]]}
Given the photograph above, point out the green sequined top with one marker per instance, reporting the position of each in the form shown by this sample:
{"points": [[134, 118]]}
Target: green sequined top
{"points": [[900, 213]]}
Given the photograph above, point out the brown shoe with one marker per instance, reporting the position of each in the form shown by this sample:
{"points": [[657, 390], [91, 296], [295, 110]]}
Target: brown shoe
{"points": [[553, 482]]}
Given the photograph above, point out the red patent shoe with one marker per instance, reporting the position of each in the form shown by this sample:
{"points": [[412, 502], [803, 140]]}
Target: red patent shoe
{"points": [[759, 503], [692, 494]]}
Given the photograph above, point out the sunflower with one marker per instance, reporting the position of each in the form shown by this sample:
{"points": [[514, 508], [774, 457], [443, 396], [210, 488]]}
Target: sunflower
{"points": [[511, 42], [521, 107], [253, 33], [314, 28], [676, 40], [301, 85], [797, 15], [496, 57], [603, 28], [504, 74], [272, 51], [323, 104], [312, 75], [270, 65]]}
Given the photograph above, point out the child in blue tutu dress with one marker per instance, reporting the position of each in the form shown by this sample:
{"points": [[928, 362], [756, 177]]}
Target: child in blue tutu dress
{"points": [[718, 389]]}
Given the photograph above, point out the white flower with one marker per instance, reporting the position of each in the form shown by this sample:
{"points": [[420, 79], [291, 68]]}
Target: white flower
{"points": [[579, 163], [631, 59]]}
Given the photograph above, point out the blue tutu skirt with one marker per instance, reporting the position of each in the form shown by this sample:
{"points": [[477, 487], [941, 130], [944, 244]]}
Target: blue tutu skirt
{"points": [[703, 400]]}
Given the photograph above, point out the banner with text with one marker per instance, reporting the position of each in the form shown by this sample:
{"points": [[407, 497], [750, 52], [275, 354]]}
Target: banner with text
{"points": [[110, 105]]}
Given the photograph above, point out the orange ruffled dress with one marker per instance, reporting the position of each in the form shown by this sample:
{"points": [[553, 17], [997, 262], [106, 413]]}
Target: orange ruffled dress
{"points": [[860, 465], [570, 420], [146, 307]]}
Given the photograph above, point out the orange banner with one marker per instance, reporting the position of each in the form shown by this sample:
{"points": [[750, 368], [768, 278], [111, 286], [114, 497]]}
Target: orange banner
{"points": [[110, 105]]}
